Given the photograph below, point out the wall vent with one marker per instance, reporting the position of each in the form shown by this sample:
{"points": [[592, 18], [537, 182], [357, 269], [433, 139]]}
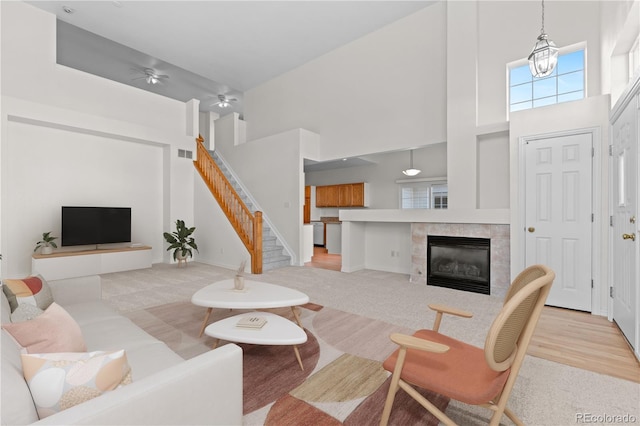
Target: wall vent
{"points": [[183, 153]]}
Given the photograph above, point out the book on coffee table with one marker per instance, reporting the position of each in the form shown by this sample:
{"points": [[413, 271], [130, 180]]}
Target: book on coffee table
{"points": [[251, 322]]}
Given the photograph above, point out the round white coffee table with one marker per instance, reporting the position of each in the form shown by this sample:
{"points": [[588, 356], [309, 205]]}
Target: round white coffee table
{"points": [[276, 331], [256, 295]]}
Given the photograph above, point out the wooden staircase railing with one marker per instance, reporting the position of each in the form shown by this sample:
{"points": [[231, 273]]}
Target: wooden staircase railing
{"points": [[247, 225]]}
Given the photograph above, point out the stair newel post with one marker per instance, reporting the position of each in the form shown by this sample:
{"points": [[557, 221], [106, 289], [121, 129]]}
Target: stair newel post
{"points": [[256, 259]]}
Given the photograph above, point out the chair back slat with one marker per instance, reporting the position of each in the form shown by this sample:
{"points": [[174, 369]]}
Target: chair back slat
{"points": [[512, 329]]}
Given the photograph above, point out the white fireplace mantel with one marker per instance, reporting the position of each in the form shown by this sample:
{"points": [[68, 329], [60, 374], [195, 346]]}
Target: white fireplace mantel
{"points": [[484, 216]]}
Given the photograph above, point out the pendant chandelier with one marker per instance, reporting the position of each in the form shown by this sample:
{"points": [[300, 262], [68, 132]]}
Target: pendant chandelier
{"points": [[544, 57], [411, 171]]}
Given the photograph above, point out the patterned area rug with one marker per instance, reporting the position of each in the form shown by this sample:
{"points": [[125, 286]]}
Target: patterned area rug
{"points": [[343, 382]]}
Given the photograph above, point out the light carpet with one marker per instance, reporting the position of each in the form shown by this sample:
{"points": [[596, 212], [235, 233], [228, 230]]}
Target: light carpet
{"points": [[546, 393]]}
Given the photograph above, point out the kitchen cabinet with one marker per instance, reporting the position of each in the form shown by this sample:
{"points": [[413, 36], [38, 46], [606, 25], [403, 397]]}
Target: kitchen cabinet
{"points": [[327, 196], [358, 198], [306, 212], [343, 195]]}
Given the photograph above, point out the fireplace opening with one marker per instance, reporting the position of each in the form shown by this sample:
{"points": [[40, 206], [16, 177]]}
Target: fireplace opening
{"points": [[459, 263]]}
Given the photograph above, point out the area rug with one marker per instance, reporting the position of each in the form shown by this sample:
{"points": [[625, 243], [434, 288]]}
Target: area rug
{"points": [[343, 382]]}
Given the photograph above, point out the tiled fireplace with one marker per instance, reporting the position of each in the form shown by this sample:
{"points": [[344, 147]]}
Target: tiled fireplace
{"points": [[498, 235]]}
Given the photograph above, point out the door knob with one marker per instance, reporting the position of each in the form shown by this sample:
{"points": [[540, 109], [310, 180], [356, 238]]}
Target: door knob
{"points": [[531, 229], [631, 237]]}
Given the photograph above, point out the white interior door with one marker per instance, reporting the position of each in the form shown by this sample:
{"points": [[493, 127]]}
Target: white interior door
{"points": [[558, 214], [625, 223]]}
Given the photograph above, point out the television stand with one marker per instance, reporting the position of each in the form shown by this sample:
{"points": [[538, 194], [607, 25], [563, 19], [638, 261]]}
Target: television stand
{"points": [[71, 264]]}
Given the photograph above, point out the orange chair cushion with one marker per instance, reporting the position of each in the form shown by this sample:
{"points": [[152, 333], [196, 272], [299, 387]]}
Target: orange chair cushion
{"points": [[461, 373]]}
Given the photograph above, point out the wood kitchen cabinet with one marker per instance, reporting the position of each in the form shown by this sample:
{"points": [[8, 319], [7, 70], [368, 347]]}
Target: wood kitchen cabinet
{"points": [[306, 212], [327, 196], [358, 198], [344, 195]]}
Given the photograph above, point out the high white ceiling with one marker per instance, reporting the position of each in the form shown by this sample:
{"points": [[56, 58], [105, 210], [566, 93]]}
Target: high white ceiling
{"points": [[211, 47]]}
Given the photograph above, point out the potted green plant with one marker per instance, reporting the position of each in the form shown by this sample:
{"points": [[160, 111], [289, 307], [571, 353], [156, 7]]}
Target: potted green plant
{"points": [[181, 241], [46, 244]]}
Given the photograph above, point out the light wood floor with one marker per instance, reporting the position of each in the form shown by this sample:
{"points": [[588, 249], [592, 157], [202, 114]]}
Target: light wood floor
{"points": [[574, 338], [322, 259], [585, 341]]}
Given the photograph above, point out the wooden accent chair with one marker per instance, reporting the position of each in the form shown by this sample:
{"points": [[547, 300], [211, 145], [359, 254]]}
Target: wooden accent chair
{"points": [[466, 373]]}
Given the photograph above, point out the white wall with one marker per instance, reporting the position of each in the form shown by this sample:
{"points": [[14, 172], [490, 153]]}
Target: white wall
{"points": [[382, 92], [492, 154], [620, 22], [73, 138], [388, 247], [218, 243]]}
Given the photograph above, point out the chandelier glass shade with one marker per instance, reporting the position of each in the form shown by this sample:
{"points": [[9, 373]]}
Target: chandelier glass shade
{"points": [[544, 56], [411, 171]]}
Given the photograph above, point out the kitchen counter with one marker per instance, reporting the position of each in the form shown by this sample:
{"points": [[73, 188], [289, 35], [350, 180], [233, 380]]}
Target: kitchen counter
{"points": [[330, 219]]}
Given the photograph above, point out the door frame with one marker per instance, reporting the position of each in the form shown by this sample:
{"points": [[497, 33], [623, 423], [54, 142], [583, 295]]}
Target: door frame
{"points": [[598, 286]]}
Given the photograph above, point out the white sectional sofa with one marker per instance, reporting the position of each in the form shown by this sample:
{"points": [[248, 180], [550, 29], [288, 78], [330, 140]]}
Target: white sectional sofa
{"points": [[165, 390]]}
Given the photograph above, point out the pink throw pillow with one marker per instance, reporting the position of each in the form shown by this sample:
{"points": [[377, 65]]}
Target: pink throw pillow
{"points": [[52, 331]]}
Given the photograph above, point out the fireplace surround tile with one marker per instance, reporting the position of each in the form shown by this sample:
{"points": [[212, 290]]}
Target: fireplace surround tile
{"points": [[500, 249]]}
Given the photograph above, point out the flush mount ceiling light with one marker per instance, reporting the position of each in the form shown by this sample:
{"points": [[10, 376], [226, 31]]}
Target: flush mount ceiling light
{"points": [[544, 56], [411, 171]]}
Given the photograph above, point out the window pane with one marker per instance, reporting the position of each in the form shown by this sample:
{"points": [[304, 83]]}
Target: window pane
{"points": [[415, 198], [573, 96], [544, 101], [571, 82], [440, 196], [520, 106], [566, 83], [571, 62], [520, 75], [520, 93], [543, 88]]}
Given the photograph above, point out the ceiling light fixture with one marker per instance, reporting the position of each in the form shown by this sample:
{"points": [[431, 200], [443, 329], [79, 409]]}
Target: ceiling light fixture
{"points": [[411, 171], [544, 56]]}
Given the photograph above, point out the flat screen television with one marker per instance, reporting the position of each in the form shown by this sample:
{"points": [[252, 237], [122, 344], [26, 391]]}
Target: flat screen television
{"points": [[95, 225]]}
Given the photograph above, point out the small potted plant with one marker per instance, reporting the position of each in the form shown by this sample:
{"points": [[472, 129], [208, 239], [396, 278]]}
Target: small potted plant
{"points": [[46, 244], [181, 241], [238, 280]]}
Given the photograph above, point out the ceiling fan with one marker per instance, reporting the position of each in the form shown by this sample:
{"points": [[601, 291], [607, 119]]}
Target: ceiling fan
{"points": [[150, 76], [223, 101]]}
